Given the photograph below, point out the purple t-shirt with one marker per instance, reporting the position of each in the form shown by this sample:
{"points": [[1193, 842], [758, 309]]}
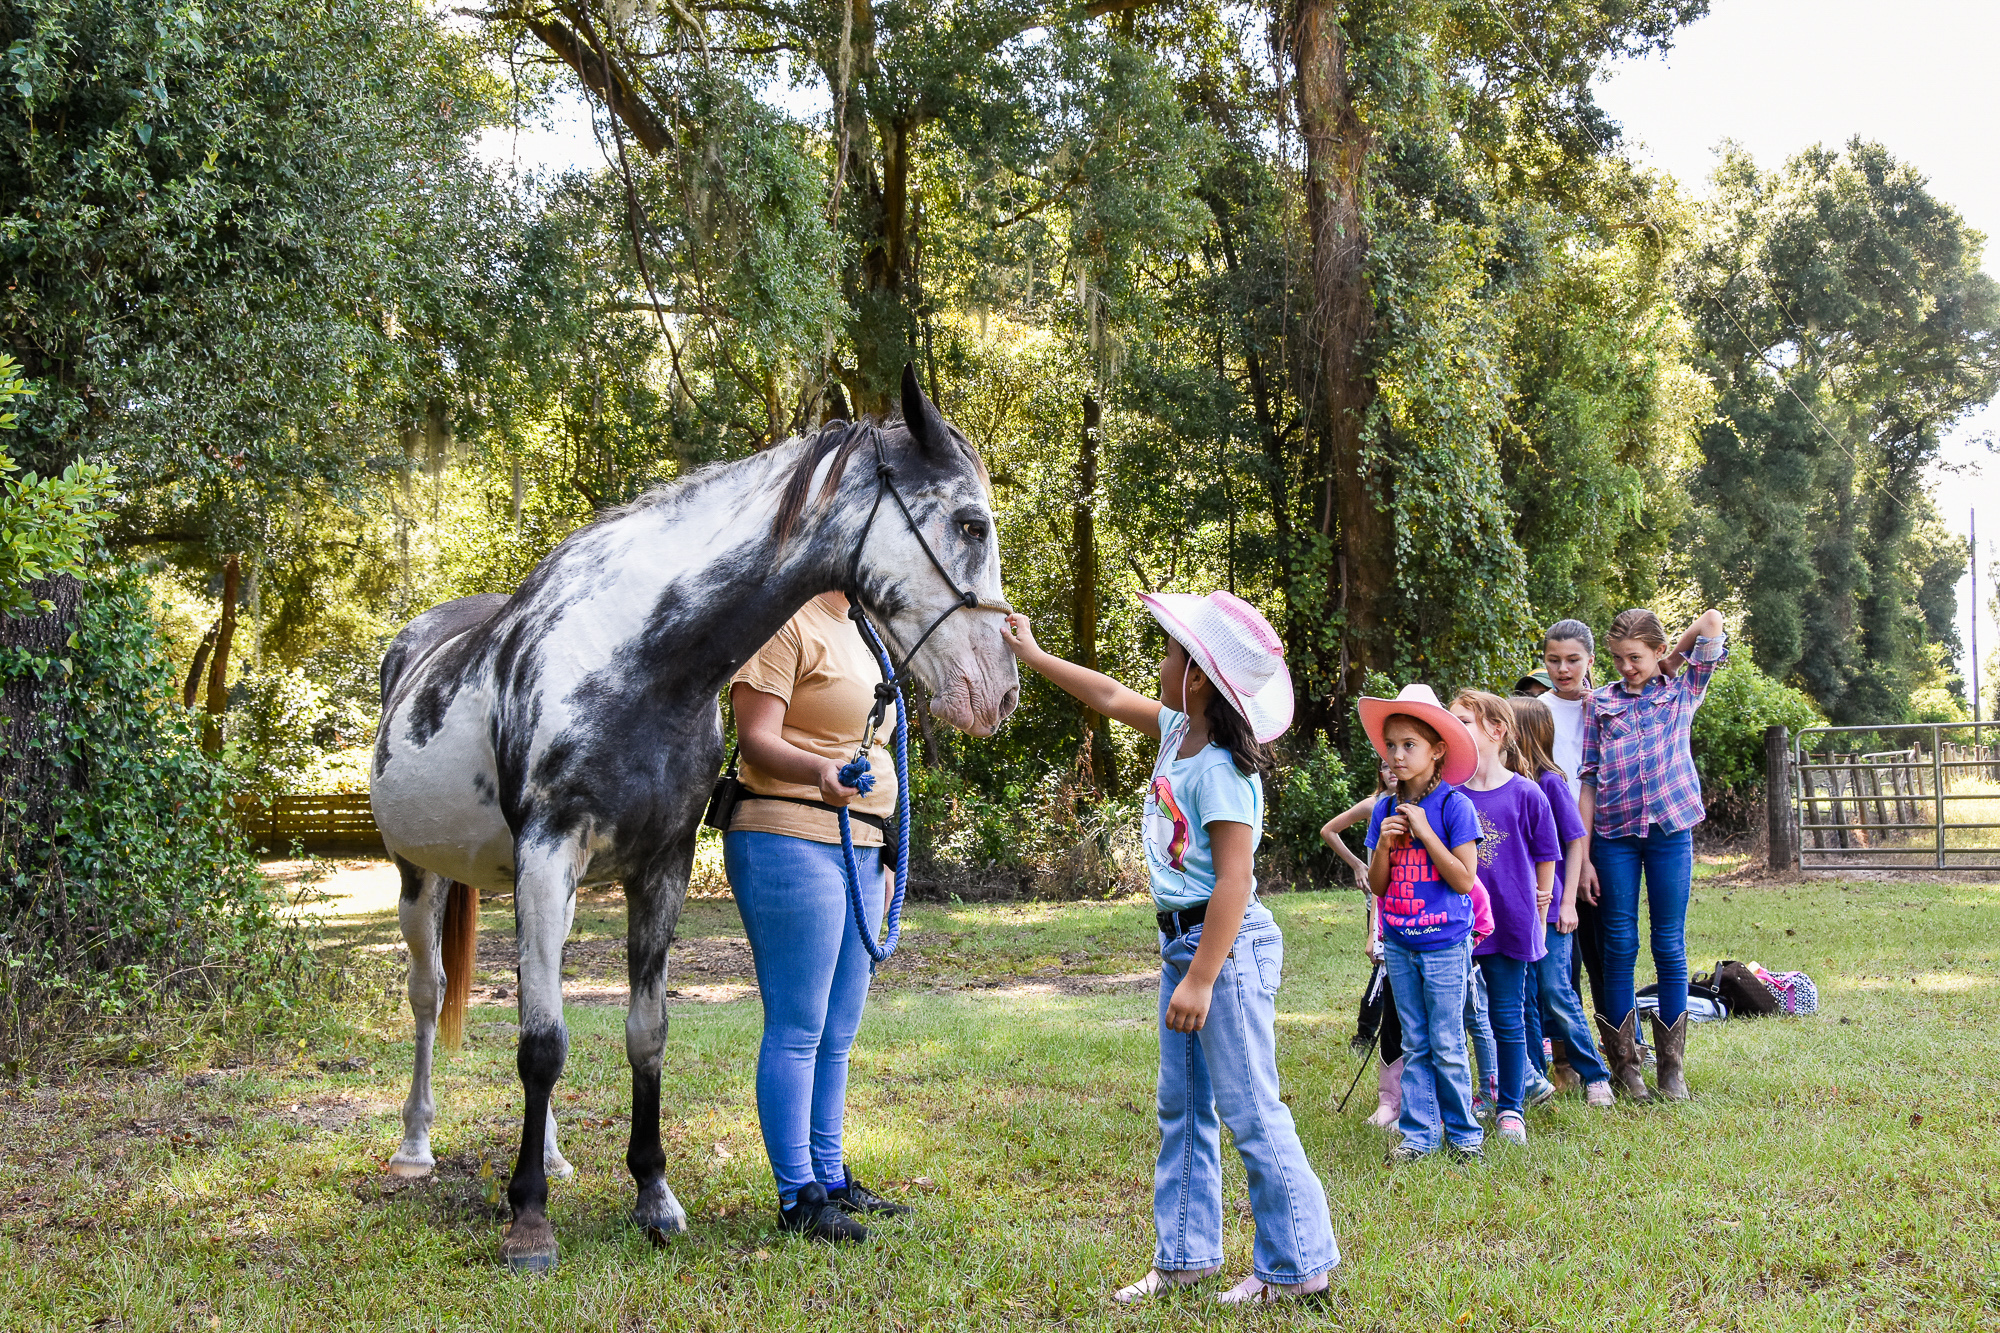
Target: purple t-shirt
{"points": [[1520, 833], [1569, 827], [1421, 911]]}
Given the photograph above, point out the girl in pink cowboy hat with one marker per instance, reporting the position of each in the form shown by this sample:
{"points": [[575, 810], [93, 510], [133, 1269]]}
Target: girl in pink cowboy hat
{"points": [[1430, 834], [1224, 694]]}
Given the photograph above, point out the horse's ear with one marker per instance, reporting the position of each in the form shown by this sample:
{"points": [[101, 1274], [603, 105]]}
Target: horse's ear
{"points": [[927, 428]]}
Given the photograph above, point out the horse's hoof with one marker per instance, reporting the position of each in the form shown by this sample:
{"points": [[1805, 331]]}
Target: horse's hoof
{"points": [[530, 1245], [557, 1167], [658, 1213], [410, 1168]]}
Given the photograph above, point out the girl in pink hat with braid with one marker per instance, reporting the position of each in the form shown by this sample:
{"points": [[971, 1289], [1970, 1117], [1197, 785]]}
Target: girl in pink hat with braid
{"points": [[1224, 695]]}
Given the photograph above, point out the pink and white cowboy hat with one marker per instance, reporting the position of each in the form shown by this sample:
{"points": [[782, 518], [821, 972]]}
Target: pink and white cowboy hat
{"points": [[1236, 648], [1461, 755]]}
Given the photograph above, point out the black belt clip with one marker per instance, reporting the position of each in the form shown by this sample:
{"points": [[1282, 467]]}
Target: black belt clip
{"points": [[1176, 924]]}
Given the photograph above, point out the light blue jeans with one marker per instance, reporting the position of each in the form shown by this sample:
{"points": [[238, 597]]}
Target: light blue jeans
{"points": [[1227, 1074], [1553, 1009], [813, 974], [1437, 1082], [1667, 862], [1479, 1037]]}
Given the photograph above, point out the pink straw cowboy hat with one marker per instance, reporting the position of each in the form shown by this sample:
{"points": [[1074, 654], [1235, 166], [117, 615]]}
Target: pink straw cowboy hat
{"points": [[1461, 755], [1236, 648]]}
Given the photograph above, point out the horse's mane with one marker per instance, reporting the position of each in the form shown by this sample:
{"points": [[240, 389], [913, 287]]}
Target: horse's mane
{"points": [[836, 437]]}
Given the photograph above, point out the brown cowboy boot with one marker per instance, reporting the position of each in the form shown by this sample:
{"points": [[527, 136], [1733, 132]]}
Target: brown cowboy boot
{"points": [[1621, 1052], [1560, 1072], [1670, 1043]]}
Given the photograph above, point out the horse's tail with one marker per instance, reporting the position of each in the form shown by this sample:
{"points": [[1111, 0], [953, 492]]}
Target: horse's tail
{"points": [[459, 943]]}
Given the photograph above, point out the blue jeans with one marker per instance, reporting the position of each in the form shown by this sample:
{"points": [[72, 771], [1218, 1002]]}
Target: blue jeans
{"points": [[1230, 1068], [1437, 1084], [813, 974], [1554, 1007], [1504, 984], [1479, 1037], [1667, 862]]}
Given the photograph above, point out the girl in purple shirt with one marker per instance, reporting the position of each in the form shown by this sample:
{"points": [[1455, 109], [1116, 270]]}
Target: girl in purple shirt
{"points": [[1518, 855]]}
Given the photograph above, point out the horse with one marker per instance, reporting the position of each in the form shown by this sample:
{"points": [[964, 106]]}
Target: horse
{"points": [[570, 734]]}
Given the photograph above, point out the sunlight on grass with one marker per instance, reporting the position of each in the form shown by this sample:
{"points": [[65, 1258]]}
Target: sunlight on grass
{"points": [[1832, 1173]]}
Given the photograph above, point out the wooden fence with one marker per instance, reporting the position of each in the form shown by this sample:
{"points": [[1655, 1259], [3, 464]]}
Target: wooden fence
{"points": [[316, 821]]}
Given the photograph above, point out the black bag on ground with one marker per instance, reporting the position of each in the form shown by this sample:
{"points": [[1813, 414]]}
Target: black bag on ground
{"points": [[1742, 991]]}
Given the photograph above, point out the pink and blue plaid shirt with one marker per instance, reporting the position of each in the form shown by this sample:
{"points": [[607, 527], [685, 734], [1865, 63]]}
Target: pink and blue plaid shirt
{"points": [[1635, 748]]}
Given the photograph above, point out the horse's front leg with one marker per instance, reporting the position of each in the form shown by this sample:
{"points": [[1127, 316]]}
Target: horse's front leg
{"points": [[547, 870], [653, 908]]}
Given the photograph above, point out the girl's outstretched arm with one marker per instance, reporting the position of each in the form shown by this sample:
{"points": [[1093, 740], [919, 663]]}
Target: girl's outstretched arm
{"points": [[1330, 834], [1095, 689]]}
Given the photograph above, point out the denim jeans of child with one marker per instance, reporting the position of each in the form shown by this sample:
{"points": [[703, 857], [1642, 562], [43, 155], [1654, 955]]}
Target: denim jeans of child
{"points": [[1667, 862], [1227, 1074], [1437, 1082], [1505, 983], [1553, 1010], [1479, 1037], [813, 974]]}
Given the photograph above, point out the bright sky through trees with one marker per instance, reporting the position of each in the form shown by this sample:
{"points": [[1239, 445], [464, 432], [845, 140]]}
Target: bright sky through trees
{"points": [[1777, 75]]}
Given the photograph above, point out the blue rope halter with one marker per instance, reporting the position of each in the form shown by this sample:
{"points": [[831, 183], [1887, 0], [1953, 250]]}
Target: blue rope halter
{"points": [[855, 773]]}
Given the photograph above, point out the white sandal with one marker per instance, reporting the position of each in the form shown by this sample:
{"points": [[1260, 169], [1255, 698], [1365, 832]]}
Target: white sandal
{"points": [[1253, 1290], [1156, 1283]]}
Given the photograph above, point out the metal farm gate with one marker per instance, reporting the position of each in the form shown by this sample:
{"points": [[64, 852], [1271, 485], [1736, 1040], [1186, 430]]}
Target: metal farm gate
{"points": [[1918, 795]]}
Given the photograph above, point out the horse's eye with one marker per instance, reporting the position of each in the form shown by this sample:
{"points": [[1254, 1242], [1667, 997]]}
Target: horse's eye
{"points": [[974, 530]]}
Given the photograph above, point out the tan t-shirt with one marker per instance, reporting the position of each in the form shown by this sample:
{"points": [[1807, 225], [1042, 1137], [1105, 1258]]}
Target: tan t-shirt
{"points": [[825, 674]]}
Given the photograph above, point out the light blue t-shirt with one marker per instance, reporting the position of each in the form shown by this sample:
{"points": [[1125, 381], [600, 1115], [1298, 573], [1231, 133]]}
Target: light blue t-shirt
{"points": [[1186, 796]]}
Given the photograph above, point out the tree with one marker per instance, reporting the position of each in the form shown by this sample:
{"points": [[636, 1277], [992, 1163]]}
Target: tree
{"points": [[1847, 326]]}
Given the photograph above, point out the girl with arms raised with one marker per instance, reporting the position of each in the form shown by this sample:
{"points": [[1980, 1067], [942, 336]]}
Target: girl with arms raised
{"points": [[1224, 695], [1641, 800]]}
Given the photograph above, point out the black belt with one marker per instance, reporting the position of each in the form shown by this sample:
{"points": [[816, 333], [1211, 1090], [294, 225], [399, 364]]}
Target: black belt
{"points": [[879, 823], [1176, 924]]}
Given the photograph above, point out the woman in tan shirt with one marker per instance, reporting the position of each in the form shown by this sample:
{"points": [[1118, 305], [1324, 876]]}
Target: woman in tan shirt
{"points": [[801, 704]]}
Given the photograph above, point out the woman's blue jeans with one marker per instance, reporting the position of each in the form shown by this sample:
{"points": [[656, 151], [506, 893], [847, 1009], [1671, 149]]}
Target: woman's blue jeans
{"points": [[1227, 1074], [1437, 1082], [1505, 979], [813, 974], [1666, 860]]}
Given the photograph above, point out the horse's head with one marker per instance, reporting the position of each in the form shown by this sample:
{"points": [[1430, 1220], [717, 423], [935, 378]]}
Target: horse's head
{"points": [[965, 663]]}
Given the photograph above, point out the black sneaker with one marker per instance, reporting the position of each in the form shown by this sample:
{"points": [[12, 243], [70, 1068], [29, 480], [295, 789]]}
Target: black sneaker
{"points": [[855, 1197], [814, 1216], [1467, 1156]]}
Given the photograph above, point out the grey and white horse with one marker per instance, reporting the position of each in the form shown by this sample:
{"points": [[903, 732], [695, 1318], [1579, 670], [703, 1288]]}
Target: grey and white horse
{"points": [[570, 734]]}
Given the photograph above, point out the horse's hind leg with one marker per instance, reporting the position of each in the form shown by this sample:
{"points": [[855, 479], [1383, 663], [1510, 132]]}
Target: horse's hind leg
{"points": [[653, 908], [421, 912]]}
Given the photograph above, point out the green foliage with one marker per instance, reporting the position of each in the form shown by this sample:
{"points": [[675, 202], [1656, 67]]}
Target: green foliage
{"points": [[123, 881], [1846, 324], [1311, 787], [45, 522], [1728, 735]]}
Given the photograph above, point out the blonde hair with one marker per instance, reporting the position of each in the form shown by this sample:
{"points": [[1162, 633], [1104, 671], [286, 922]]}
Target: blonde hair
{"points": [[1492, 711], [1639, 624], [1534, 740]]}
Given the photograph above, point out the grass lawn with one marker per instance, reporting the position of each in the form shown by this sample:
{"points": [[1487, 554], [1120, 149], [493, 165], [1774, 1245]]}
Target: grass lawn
{"points": [[1833, 1172]]}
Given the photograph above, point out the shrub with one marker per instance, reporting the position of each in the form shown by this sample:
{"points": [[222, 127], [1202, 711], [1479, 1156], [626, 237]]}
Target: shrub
{"points": [[1311, 787], [1728, 735], [123, 879]]}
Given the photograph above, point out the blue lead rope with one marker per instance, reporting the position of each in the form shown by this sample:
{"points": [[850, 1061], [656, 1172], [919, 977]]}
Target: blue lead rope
{"points": [[855, 773]]}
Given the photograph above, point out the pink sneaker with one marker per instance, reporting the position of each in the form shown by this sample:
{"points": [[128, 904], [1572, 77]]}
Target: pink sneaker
{"points": [[1597, 1094]]}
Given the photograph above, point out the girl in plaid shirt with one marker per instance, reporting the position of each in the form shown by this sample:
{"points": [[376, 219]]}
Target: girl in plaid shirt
{"points": [[1641, 800]]}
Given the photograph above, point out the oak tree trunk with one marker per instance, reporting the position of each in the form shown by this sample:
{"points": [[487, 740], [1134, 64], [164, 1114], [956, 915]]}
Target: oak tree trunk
{"points": [[1351, 509], [1083, 595], [218, 668]]}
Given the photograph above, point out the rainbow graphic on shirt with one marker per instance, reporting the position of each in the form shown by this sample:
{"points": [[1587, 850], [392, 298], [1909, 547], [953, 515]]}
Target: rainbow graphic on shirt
{"points": [[1174, 834]]}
